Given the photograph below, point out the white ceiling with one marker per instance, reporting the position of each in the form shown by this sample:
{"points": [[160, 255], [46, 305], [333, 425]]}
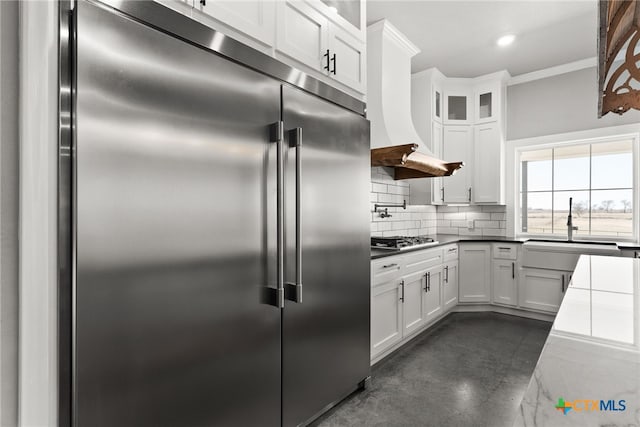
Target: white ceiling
{"points": [[459, 37]]}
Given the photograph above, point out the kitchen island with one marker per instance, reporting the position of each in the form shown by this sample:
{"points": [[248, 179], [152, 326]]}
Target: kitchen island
{"points": [[588, 373]]}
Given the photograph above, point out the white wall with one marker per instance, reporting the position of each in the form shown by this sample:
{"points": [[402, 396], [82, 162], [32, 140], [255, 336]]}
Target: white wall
{"points": [[559, 104], [8, 213]]}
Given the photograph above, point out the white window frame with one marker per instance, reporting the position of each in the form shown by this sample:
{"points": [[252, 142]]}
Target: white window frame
{"points": [[516, 147]]}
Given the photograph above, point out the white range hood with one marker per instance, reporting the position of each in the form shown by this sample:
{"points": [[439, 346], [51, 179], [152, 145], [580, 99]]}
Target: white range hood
{"points": [[389, 55]]}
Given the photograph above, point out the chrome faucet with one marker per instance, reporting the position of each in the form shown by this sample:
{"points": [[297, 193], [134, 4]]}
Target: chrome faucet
{"points": [[570, 227]]}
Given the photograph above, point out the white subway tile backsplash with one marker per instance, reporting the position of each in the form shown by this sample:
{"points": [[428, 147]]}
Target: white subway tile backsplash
{"points": [[494, 208], [501, 232], [459, 223], [478, 215], [427, 219], [467, 232], [487, 224]]}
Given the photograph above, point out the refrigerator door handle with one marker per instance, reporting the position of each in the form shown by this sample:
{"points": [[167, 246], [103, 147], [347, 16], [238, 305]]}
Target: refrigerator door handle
{"points": [[293, 291], [276, 296]]}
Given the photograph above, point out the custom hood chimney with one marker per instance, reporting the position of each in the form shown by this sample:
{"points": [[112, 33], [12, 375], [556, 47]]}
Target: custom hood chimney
{"points": [[394, 140]]}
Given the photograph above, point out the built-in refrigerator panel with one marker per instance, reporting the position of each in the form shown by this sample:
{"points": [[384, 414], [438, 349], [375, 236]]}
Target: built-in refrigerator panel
{"points": [[175, 210], [326, 334]]}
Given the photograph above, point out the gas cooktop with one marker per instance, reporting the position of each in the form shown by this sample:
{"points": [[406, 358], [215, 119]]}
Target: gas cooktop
{"points": [[401, 242]]}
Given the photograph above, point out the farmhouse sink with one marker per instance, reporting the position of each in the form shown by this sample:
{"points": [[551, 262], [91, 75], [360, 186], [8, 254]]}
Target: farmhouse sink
{"points": [[580, 242]]}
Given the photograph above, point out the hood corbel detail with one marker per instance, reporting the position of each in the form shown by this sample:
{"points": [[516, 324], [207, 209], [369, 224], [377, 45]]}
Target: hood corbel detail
{"points": [[409, 163]]}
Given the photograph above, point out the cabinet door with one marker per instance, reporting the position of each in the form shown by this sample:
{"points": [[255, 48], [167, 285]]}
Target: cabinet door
{"points": [[542, 289], [302, 34], [475, 272], [457, 108], [450, 285], [386, 316], [487, 103], [411, 293], [431, 294], [438, 102], [255, 18], [436, 146], [456, 146], [488, 164], [504, 282], [347, 61]]}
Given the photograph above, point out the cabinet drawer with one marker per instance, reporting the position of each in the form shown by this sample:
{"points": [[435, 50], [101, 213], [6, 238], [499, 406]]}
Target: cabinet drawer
{"points": [[386, 269], [450, 252], [505, 251], [422, 260]]}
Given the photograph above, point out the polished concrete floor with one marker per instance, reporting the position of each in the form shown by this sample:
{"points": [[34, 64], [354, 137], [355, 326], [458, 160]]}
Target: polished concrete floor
{"points": [[471, 369]]}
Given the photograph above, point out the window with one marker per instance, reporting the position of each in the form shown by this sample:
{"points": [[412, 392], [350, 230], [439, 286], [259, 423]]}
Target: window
{"points": [[598, 176]]}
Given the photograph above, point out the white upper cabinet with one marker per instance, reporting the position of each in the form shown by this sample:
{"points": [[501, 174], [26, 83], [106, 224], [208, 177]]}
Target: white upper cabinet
{"points": [[347, 58], [488, 180], [487, 105], [453, 104], [457, 107], [457, 146], [303, 34], [323, 38], [310, 37], [255, 18]]}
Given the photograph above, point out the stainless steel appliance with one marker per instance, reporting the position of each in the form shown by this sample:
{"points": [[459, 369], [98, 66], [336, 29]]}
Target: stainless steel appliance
{"points": [[402, 242], [208, 285]]}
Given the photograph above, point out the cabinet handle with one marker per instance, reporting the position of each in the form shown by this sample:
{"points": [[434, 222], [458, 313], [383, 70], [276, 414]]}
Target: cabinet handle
{"points": [[446, 274], [469, 194], [402, 295], [427, 281], [442, 194], [563, 283], [513, 270], [502, 248], [326, 67], [390, 265], [452, 250], [333, 59]]}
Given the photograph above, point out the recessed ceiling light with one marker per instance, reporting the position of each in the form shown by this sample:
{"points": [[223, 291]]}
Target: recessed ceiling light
{"points": [[506, 40]]}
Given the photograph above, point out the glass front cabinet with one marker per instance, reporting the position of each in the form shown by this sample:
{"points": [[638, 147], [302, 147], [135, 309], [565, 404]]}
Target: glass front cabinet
{"points": [[487, 103]]}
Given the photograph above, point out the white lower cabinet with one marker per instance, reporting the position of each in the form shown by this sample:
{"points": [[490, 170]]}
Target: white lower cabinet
{"points": [[386, 316], [450, 285], [408, 293], [413, 302], [475, 272], [542, 289], [504, 282], [432, 295]]}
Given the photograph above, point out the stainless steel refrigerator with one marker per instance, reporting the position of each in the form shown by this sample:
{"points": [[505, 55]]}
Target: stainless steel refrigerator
{"points": [[218, 228]]}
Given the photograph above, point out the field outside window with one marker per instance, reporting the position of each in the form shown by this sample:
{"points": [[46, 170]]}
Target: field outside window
{"points": [[599, 178]]}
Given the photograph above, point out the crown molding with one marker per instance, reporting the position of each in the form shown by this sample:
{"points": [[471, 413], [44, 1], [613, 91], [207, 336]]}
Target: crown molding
{"points": [[392, 33], [553, 71]]}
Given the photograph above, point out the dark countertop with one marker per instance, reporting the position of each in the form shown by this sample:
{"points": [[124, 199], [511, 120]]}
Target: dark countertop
{"points": [[444, 239]]}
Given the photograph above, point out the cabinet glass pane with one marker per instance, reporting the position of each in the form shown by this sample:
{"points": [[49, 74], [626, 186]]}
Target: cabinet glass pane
{"points": [[457, 108], [437, 106], [348, 9], [485, 105]]}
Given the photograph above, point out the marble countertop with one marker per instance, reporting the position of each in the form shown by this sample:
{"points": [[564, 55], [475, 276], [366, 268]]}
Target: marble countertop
{"points": [[591, 358]]}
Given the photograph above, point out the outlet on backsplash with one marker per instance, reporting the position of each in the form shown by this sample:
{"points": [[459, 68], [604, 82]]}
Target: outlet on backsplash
{"points": [[470, 224]]}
